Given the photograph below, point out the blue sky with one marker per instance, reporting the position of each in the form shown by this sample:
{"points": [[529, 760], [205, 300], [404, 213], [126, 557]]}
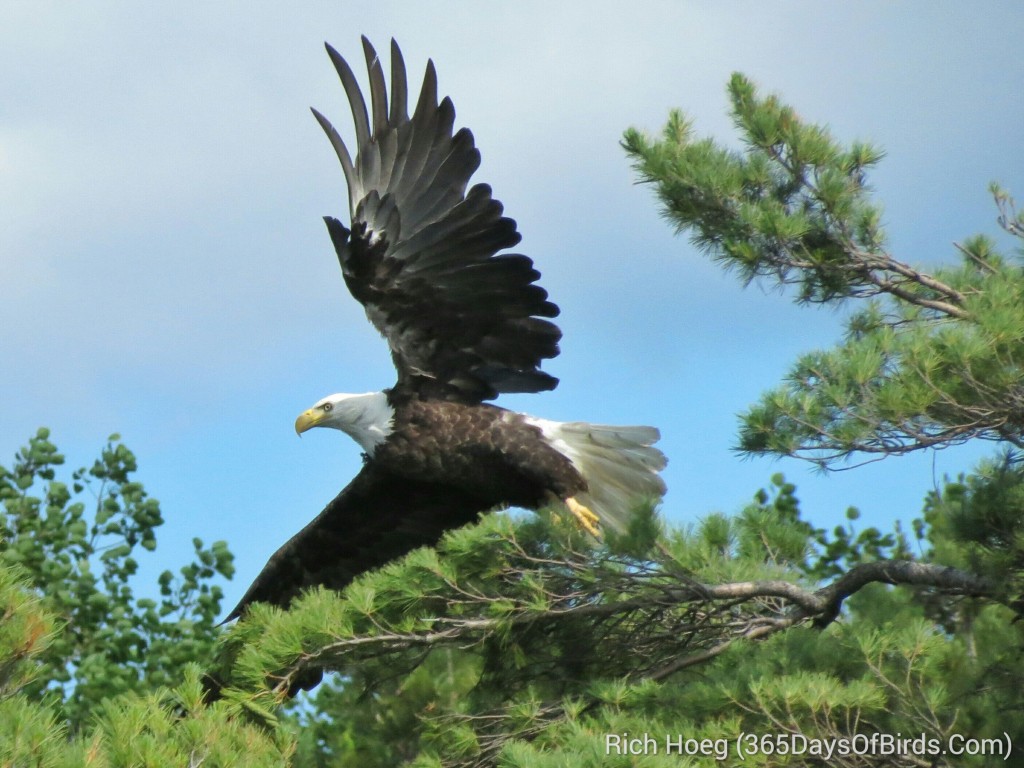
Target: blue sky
{"points": [[166, 273]]}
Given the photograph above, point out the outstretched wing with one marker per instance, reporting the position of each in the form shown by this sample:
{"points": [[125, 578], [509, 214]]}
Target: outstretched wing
{"points": [[463, 322], [378, 518]]}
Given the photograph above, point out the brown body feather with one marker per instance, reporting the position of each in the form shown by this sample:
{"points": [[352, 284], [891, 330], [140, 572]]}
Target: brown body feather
{"points": [[442, 465], [482, 449]]}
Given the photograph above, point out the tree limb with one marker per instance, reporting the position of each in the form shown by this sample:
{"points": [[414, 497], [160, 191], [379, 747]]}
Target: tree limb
{"points": [[766, 607]]}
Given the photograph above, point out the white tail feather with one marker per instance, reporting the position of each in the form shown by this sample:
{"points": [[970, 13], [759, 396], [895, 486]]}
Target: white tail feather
{"points": [[620, 465]]}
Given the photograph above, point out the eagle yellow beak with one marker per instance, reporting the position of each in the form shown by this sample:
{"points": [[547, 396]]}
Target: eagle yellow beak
{"points": [[307, 420]]}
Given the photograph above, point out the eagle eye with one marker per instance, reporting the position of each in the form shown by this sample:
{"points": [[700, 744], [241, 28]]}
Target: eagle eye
{"points": [[327, 407]]}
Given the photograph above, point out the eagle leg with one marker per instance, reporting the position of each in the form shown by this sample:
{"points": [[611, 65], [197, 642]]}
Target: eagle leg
{"points": [[587, 519]]}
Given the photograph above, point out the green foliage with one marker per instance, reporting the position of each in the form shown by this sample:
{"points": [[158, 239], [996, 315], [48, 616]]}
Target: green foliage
{"points": [[514, 645], [980, 522], [132, 731], [522, 644], [382, 725], [935, 361], [26, 630], [77, 543], [773, 521], [794, 192]]}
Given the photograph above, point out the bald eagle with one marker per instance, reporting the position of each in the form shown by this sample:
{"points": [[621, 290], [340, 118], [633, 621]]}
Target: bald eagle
{"points": [[465, 322]]}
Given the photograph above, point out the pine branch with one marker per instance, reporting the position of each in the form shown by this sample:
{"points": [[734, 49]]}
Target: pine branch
{"points": [[710, 616], [794, 208]]}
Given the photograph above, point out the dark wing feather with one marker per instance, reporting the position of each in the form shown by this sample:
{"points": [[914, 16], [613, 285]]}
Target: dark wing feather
{"points": [[378, 518], [422, 254]]}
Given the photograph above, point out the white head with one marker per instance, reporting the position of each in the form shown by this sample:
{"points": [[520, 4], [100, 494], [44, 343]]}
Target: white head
{"points": [[366, 418]]}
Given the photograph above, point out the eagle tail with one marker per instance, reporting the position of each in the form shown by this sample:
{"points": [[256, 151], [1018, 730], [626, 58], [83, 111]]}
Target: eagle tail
{"points": [[620, 465]]}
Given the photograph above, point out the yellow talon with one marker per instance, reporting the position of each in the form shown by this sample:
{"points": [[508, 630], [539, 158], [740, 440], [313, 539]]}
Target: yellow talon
{"points": [[587, 519]]}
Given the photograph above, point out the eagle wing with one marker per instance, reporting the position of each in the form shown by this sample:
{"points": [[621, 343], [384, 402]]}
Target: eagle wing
{"points": [[463, 322], [377, 518]]}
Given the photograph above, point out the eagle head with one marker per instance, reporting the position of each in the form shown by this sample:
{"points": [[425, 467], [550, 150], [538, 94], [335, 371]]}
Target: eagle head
{"points": [[367, 418]]}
